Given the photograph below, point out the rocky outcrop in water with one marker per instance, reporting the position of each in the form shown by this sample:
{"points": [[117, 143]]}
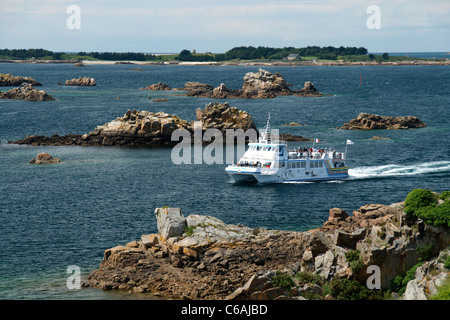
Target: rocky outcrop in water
{"points": [[11, 80], [195, 88], [149, 128], [44, 158], [157, 87], [201, 257], [81, 81], [366, 121], [28, 93], [221, 116], [257, 85], [134, 128]]}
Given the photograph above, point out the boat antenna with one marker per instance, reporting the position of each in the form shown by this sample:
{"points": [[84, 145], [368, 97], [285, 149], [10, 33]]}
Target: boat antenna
{"points": [[267, 133]]}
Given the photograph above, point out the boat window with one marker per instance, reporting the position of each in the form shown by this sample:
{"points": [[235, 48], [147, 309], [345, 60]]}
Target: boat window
{"points": [[321, 164], [303, 165]]}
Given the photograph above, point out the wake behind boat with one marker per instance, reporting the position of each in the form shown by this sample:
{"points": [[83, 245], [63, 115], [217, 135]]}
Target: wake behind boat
{"points": [[270, 161]]}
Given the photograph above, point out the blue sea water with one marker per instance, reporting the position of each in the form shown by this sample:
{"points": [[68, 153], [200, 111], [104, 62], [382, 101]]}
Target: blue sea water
{"points": [[55, 216]]}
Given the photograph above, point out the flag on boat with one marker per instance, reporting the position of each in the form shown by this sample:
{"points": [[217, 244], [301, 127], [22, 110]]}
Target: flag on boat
{"points": [[350, 142], [316, 140]]}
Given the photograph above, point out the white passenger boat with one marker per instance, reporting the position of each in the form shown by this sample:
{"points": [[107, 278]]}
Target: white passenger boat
{"points": [[269, 161]]}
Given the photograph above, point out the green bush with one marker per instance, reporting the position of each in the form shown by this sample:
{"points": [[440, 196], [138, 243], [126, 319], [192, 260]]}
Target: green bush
{"points": [[425, 252], [398, 284], [419, 198], [309, 278], [354, 260], [436, 215], [346, 289], [283, 280], [447, 263], [445, 195], [421, 204]]}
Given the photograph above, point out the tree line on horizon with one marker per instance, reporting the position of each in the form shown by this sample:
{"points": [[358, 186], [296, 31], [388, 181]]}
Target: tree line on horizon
{"points": [[255, 53], [42, 53], [236, 53]]}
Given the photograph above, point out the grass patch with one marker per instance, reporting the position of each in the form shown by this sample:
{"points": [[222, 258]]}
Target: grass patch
{"points": [[443, 292]]}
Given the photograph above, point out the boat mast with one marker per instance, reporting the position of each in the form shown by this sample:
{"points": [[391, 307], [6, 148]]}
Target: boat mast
{"points": [[267, 133]]}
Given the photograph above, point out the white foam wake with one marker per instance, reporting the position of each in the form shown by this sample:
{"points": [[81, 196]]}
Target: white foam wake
{"points": [[398, 170]]}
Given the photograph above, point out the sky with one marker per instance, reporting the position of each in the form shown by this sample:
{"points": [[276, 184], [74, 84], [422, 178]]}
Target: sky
{"points": [[217, 25]]}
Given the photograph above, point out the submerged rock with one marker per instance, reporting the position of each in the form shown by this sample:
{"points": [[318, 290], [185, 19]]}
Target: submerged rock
{"points": [[44, 158], [366, 121]]}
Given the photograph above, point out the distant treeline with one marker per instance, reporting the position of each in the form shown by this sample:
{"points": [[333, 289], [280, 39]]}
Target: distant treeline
{"points": [[136, 56], [241, 53], [42, 53], [25, 53], [253, 53]]}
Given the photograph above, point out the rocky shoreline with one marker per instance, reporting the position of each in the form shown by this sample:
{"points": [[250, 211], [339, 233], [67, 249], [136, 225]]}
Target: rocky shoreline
{"points": [[242, 63], [201, 257]]}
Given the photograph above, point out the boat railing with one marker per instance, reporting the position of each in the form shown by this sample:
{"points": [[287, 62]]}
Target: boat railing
{"points": [[270, 141], [254, 164], [303, 155]]}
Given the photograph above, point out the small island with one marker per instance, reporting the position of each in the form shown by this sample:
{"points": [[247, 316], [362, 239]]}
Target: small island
{"points": [[367, 121], [81, 81], [11, 80], [26, 92], [144, 128], [257, 85]]}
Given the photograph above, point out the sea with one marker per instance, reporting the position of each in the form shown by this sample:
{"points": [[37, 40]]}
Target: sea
{"points": [[54, 217]]}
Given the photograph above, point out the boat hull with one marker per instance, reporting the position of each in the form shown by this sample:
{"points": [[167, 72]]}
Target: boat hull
{"points": [[239, 174]]}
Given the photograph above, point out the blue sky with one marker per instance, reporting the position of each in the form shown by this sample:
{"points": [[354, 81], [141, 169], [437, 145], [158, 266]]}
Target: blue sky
{"points": [[217, 25]]}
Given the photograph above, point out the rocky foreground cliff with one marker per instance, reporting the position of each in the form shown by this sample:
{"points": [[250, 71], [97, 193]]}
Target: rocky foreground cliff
{"points": [[201, 257]]}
